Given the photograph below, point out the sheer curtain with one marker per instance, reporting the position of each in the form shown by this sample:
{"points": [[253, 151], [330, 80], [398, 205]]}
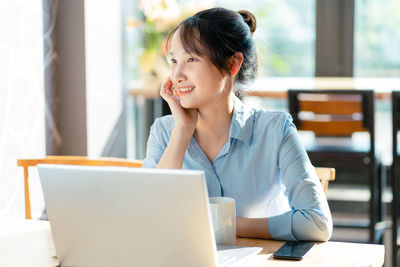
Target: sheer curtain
{"points": [[22, 106]]}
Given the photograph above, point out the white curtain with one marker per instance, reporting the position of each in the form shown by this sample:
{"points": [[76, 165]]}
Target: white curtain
{"points": [[22, 106]]}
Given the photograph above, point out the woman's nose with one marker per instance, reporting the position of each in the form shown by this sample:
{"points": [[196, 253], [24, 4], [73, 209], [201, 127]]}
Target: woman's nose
{"points": [[178, 75]]}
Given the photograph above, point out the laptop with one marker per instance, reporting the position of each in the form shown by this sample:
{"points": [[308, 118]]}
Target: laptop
{"points": [[118, 216]]}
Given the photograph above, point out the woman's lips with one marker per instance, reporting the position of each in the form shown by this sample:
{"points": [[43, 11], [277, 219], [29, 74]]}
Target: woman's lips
{"points": [[184, 90]]}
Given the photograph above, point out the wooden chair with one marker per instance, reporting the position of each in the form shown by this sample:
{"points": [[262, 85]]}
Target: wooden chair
{"points": [[68, 160], [334, 116], [395, 169], [325, 175]]}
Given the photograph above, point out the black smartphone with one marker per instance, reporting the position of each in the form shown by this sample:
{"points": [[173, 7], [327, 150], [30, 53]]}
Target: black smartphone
{"points": [[293, 250]]}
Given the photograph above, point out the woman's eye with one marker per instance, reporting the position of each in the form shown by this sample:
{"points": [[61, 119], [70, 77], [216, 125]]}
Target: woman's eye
{"points": [[172, 60], [192, 59]]}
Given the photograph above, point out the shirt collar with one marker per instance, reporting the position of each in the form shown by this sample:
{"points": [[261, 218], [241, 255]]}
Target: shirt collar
{"points": [[242, 122]]}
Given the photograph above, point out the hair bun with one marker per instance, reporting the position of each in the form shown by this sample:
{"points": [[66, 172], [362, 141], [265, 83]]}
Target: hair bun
{"points": [[250, 19]]}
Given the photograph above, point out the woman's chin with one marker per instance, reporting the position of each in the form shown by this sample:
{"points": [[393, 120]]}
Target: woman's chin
{"points": [[187, 104]]}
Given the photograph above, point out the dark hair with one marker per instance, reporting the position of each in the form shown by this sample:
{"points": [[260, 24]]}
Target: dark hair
{"points": [[219, 33]]}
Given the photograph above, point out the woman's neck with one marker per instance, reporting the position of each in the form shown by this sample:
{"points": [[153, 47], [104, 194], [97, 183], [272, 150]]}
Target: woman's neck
{"points": [[215, 119]]}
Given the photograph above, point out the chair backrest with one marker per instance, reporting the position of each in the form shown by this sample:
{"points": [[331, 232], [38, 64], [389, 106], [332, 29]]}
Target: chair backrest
{"points": [[395, 124], [325, 175], [68, 160], [337, 113], [395, 171]]}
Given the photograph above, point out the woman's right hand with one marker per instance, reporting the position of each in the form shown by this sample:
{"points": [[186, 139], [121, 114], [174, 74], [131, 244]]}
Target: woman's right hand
{"points": [[185, 124], [185, 118]]}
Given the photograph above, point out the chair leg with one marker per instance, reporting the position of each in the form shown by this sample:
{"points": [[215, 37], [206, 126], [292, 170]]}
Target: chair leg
{"points": [[380, 210], [28, 214], [372, 206], [379, 225], [382, 178], [395, 204]]}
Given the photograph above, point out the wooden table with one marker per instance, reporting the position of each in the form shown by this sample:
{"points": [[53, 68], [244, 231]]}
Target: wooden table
{"points": [[278, 86], [322, 254], [29, 243]]}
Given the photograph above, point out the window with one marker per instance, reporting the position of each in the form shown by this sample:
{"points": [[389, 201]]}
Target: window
{"points": [[377, 38], [285, 43]]}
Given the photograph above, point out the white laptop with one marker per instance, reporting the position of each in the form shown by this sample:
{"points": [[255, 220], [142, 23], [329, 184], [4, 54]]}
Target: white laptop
{"points": [[117, 216]]}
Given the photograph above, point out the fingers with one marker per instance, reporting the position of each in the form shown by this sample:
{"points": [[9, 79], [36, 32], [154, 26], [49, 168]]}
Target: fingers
{"points": [[185, 117], [169, 93], [166, 88]]}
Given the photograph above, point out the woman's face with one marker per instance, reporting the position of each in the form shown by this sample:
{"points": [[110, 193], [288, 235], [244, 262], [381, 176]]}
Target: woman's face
{"points": [[197, 81]]}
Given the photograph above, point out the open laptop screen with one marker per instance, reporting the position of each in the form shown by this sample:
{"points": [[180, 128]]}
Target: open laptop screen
{"points": [[116, 216]]}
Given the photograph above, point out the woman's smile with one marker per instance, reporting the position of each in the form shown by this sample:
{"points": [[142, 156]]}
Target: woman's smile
{"points": [[186, 89]]}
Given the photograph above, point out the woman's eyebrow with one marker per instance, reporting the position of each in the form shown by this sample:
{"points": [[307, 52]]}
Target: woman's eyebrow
{"points": [[170, 53]]}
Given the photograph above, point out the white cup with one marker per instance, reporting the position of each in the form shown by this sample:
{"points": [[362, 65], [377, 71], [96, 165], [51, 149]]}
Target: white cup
{"points": [[223, 216]]}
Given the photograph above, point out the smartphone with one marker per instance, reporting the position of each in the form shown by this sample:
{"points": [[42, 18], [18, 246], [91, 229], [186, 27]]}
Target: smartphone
{"points": [[293, 250]]}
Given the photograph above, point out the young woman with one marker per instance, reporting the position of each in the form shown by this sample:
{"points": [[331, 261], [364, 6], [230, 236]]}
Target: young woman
{"points": [[250, 154]]}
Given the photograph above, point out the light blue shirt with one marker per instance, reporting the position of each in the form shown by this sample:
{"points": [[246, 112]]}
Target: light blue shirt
{"points": [[264, 167]]}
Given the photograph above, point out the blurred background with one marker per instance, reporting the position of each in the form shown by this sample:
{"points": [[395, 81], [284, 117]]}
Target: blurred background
{"points": [[82, 77]]}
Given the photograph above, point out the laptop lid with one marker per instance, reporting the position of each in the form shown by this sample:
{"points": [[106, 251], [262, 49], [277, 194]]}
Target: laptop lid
{"points": [[116, 216]]}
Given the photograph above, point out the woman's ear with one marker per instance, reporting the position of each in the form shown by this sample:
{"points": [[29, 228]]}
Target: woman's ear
{"points": [[235, 63]]}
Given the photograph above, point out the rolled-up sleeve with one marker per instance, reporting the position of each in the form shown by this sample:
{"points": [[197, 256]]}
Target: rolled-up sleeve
{"points": [[309, 217]]}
